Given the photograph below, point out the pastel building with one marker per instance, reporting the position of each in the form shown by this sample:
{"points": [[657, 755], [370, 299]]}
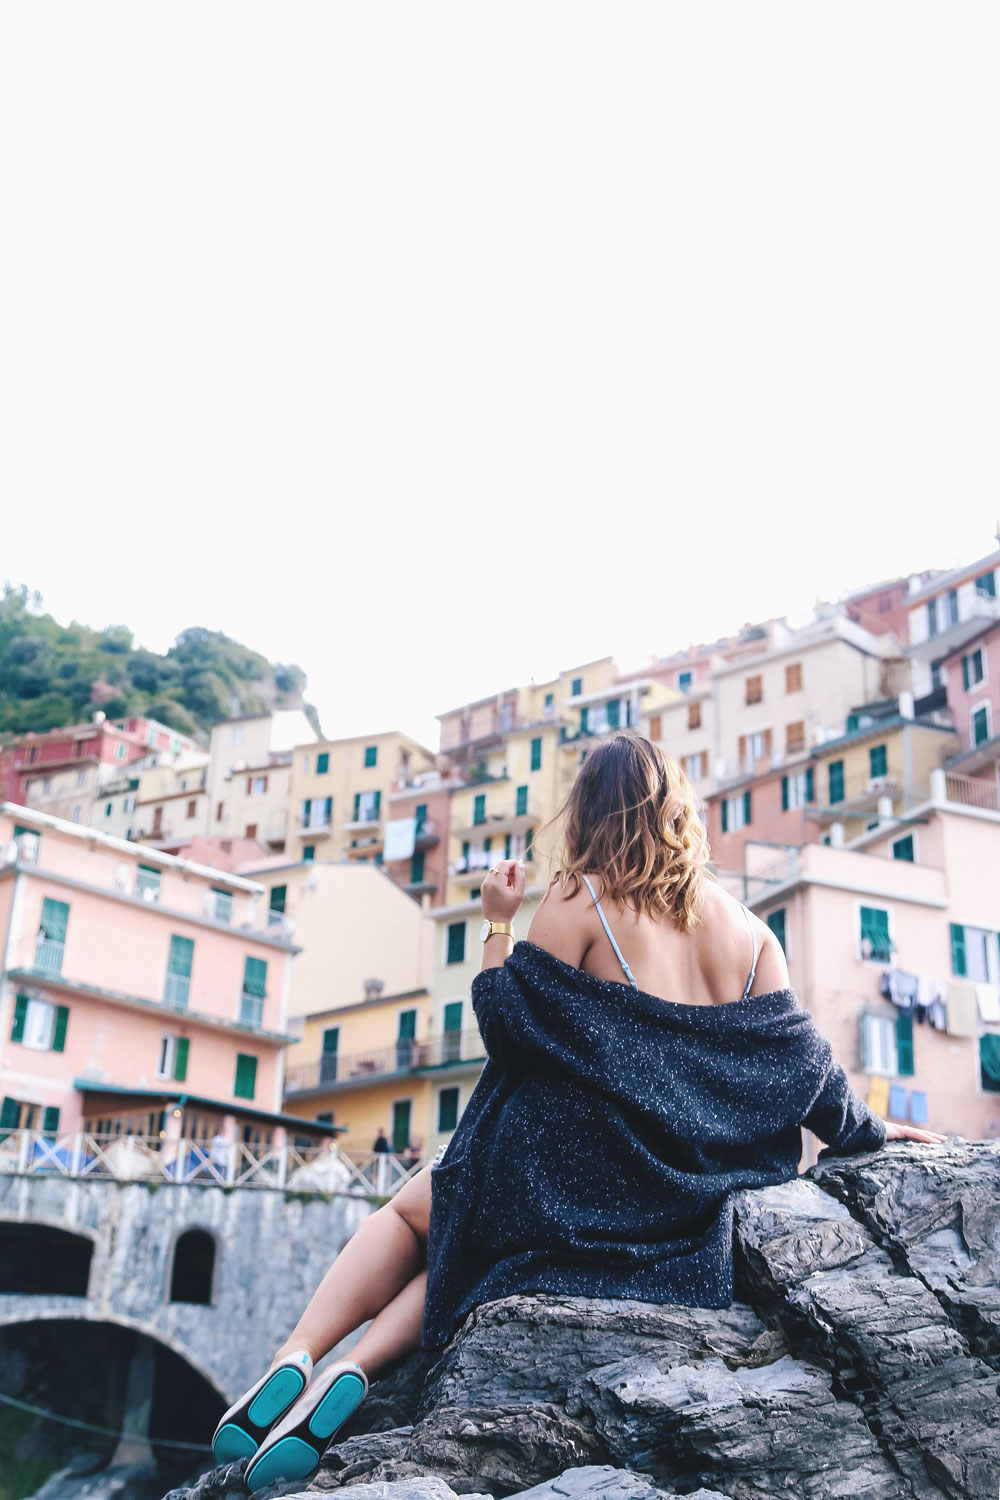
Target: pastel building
{"points": [[172, 805], [339, 793], [896, 952], [417, 830], [971, 673], [30, 763], [129, 980], [947, 612], [250, 776]]}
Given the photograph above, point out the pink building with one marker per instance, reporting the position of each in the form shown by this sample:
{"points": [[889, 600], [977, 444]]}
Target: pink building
{"points": [[132, 981], [30, 757], [896, 952], [972, 672]]}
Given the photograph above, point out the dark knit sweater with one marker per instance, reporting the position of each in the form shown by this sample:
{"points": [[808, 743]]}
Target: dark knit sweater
{"points": [[604, 1139]]}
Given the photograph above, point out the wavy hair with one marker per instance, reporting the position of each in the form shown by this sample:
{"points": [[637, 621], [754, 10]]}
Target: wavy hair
{"points": [[631, 816]]}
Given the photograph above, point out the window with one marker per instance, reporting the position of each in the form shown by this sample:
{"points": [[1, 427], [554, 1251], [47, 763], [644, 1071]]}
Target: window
{"points": [[371, 756], [550, 699], [277, 899], [238, 735], [192, 808], [975, 954], [694, 715], [684, 680], [39, 1024], [878, 761], [456, 943], [989, 1062], [797, 790], [986, 584], [735, 812], [401, 1112], [521, 802], [328, 1057], [417, 868], [194, 1264], [972, 668], [451, 1028], [932, 617], [317, 812], [147, 882], [366, 807], [878, 1044], [479, 808], [655, 726], [696, 765], [835, 781], [793, 677], [323, 763], [795, 737], [576, 687], [220, 811], [447, 1110], [754, 692], [81, 778], [754, 747], [308, 853], [406, 1033], [77, 813], [875, 943], [173, 1057], [536, 754], [256, 786], [585, 720], [776, 921], [981, 724], [246, 1076], [46, 786], [953, 606], [254, 991], [220, 904], [179, 962], [108, 808], [51, 941], [120, 752], [903, 848]]}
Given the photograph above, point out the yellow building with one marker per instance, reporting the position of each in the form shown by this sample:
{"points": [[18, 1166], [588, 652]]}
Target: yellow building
{"points": [[171, 804], [249, 775], [875, 774], [340, 791]]}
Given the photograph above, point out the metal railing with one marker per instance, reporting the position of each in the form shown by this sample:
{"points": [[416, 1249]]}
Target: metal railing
{"points": [[252, 1009], [132, 1158], [969, 791], [177, 991], [49, 956], [380, 1062]]}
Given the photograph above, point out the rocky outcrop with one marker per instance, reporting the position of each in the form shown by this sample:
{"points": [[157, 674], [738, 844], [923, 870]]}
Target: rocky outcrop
{"points": [[862, 1359]]}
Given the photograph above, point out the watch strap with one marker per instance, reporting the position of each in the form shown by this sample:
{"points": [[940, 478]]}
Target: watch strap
{"points": [[507, 928]]}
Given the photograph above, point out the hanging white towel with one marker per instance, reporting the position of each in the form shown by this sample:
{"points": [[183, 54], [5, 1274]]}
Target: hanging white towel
{"points": [[400, 837]]}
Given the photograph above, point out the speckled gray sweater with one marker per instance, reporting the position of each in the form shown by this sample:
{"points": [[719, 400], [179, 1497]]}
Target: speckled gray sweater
{"points": [[602, 1144]]}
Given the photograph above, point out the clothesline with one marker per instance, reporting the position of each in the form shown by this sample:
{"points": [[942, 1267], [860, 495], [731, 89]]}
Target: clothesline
{"points": [[956, 1006]]}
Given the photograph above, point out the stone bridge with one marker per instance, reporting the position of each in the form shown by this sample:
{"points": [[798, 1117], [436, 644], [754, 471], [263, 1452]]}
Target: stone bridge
{"points": [[124, 1253]]}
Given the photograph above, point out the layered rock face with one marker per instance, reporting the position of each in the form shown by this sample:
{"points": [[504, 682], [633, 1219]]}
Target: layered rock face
{"points": [[861, 1360]]}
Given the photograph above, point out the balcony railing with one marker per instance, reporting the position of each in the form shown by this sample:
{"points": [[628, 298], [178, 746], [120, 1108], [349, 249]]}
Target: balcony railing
{"points": [[970, 791], [177, 991], [408, 1056], [201, 1163], [252, 1009], [49, 956]]}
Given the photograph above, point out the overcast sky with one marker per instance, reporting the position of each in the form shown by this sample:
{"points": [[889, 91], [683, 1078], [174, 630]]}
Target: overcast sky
{"points": [[439, 346]]}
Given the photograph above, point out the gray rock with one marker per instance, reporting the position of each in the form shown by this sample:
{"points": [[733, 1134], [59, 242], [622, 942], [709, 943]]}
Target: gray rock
{"points": [[603, 1482], [358, 1457]]}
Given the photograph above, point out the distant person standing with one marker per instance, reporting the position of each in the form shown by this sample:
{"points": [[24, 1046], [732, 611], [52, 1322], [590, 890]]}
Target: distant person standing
{"points": [[381, 1145]]}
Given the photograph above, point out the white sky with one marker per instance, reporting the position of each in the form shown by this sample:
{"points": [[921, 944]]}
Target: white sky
{"points": [[436, 346]]}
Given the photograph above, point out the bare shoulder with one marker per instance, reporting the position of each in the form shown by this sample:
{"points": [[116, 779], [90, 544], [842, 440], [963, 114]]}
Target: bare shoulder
{"points": [[728, 914], [560, 923]]}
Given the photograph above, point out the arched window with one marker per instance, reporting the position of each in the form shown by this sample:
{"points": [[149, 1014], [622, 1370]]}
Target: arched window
{"points": [[38, 1259], [193, 1267]]}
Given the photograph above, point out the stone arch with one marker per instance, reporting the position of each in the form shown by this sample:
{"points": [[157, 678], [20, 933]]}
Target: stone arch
{"points": [[170, 1263]]}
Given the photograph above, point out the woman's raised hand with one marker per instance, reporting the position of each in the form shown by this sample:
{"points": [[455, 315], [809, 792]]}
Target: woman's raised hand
{"points": [[502, 890]]}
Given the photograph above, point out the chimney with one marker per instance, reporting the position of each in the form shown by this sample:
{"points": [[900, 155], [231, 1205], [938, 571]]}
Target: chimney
{"points": [[373, 988]]}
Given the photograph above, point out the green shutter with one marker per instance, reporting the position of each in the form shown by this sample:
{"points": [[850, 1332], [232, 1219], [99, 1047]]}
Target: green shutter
{"points": [[725, 814], [10, 1113], [323, 763], [306, 812], [989, 1061], [255, 977], [835, 775], [417, 868], [456, 943], [529, 834], [447, 1109], [776, 922], [181, 1059], [584, 721], [371, 756], [479, 808], [746, 809], [181, 956], [246, 1076], [521, 804], [903, 848], [878, 760], [20, 1014], [487, 842], [276, 901], [957, 948], [19, 828], [536, 755], [810, 784], [59, 1033], [308, 853], [407, 1026], [506, 845], [357, 807], [875, 927], [50, 1119], [466, 846], [55, 917], [400, 1126], [965, 673], [784, 794], [614, 713], [904, 1045], [452, 1016]]}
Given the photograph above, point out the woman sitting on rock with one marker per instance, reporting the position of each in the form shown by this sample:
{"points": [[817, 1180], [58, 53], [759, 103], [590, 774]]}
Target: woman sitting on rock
{"points": [[646, 1058]]}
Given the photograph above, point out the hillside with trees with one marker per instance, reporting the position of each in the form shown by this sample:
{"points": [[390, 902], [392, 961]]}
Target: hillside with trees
{"points": [[52, 674]]}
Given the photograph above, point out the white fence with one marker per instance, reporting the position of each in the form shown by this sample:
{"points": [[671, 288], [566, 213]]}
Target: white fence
{"points": [[133, 1158]]}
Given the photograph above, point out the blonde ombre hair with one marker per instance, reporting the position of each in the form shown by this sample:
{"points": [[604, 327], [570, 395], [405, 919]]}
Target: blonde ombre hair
{"points": [[631, 817]]}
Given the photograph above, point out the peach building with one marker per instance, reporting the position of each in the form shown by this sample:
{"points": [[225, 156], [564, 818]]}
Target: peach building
{"points": [[946, 613], [130, 978], [895, 949]]}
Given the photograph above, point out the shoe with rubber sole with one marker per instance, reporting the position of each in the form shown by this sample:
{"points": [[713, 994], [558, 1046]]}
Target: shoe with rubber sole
{"points": [[295, 1446], [247, 1423]]}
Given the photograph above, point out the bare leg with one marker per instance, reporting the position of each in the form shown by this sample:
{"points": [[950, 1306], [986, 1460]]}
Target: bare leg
{"points": [[394, 1332], [380, 1267]]}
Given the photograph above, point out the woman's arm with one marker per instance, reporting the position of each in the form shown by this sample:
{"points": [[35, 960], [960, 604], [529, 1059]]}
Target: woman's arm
{"points": [[502, 892]]}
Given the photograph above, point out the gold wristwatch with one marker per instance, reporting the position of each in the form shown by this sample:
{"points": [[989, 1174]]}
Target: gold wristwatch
{"points": [[489, 928]]}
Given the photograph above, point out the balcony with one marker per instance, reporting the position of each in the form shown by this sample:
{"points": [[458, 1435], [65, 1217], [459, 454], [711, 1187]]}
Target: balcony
{"points": [[311, 830], [448, 1049], [252, 1010], [426, 834], [510, 821], [981, 608], [176, 991], [49, 956], [860, 797], [366, 820], [971, 791]]}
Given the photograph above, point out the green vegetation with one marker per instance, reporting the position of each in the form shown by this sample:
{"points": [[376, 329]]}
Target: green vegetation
{"points": [[52, 674]]}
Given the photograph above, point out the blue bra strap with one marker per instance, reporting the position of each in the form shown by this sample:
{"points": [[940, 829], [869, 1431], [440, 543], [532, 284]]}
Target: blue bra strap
{"points": [[753, 934], [611, 937]]}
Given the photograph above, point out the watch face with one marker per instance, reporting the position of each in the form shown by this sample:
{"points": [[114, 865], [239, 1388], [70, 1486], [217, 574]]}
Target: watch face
{"points": [[484, 931]]}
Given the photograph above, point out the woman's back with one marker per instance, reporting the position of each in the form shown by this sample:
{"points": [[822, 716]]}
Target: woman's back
{"points": [[709, 965]]}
